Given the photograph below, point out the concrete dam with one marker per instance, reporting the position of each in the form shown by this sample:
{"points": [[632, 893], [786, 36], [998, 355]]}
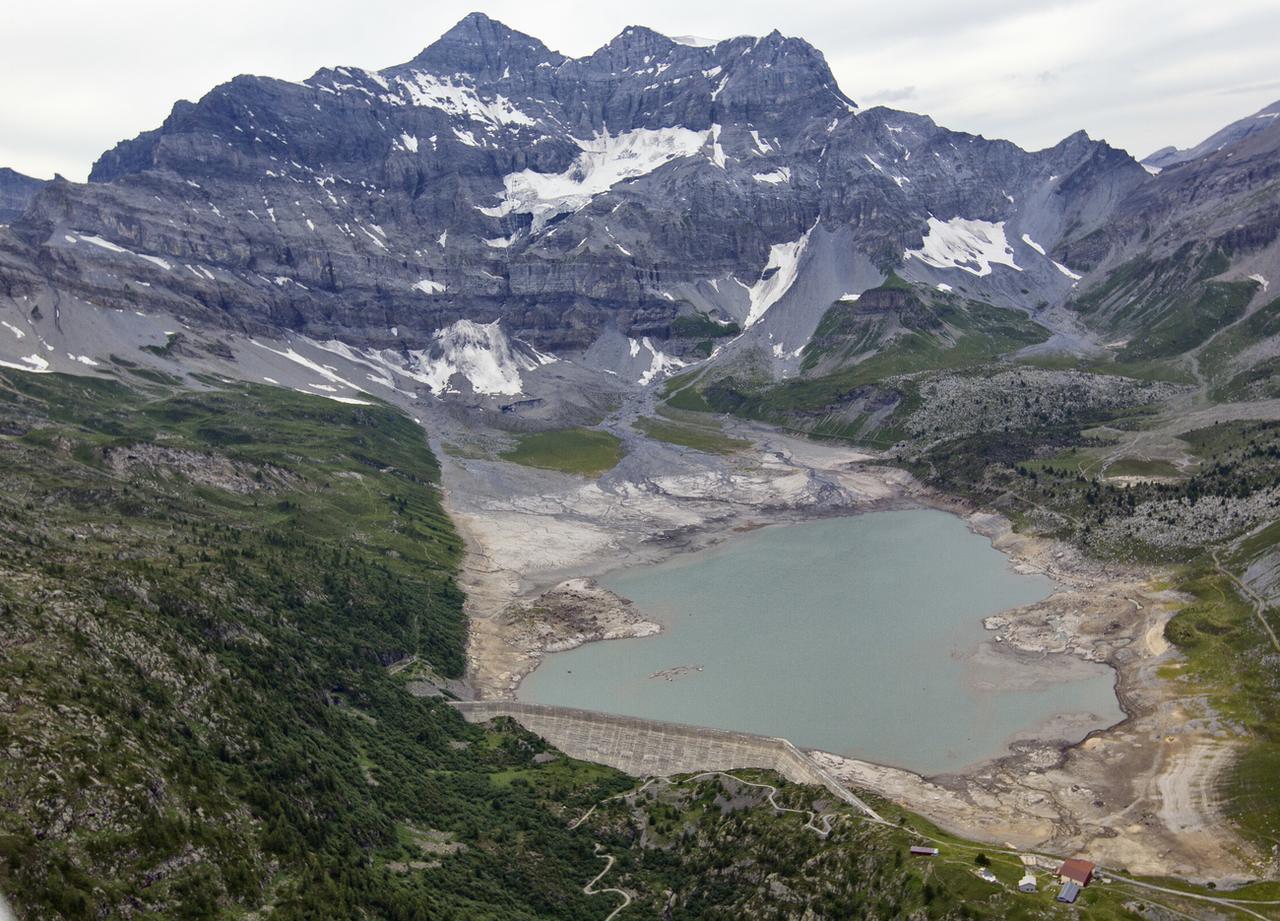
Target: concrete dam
{"points": [[650, 748]]}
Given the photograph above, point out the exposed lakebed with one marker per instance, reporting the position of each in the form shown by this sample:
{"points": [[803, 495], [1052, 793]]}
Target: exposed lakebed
{"points": [[860, 636]]}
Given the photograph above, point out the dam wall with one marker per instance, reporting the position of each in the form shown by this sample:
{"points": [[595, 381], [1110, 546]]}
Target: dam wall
{"points": [[650, 748]]}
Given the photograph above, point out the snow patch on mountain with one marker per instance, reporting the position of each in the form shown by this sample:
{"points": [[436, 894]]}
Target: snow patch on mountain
{"points": [[660, 364], [1258, 278], [762, 146], [974, 246], [427, 286], [117, 248], [33, 362], [1065, 271], [1026, 238], [717, 152], [482, 354], [378, 370], [325, 372], [897, 180], [606, 160], [779, 274], [694, 41], [457, 98], [100, 242], [775, 177]]}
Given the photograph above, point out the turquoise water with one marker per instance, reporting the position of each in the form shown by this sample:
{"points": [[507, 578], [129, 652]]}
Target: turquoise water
{"points": [[852, 635]]}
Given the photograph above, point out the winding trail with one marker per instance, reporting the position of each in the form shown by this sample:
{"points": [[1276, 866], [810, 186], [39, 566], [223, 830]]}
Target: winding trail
{"points": [[1259, 603], [1237, 904], [623, 795], [590, 888], [1246, 906], [812, 816]]}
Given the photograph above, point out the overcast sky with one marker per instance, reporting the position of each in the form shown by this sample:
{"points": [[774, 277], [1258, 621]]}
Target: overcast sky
{"points": [[78, 75]]}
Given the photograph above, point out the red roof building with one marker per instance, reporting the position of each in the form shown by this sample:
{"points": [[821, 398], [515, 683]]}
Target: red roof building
{"points": [[1076, 871]]}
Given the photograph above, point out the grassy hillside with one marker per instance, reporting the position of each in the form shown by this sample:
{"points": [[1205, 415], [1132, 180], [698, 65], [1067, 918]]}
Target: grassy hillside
{"points": [[702, 332], [690, 430], [1167, 306], [857, 383], [201, 594], [1234, 379]]}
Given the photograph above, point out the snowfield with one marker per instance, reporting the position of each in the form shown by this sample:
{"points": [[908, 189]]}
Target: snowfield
{"points": [[1026, 238], [483, 355], [480, 353], [605, 161], [456, 98], [427, 286], [778, 276], [117, 248], [660, 365], [778, 176], [974, 246]]}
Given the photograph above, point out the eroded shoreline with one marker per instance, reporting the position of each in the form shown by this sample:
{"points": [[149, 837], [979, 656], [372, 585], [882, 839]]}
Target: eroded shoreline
{"points": [[1137, 794]]}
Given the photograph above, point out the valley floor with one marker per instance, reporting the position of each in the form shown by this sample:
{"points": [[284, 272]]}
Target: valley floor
{"points": [[1140, 795]]}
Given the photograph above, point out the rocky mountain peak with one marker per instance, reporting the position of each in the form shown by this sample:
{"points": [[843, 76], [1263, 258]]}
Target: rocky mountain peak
{"points": [[484, 48], [640, 37]]}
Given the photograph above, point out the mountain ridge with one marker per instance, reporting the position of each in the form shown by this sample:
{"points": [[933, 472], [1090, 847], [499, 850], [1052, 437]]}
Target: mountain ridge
{"points": [[16, 192], [1235, 132], [491, 179]]}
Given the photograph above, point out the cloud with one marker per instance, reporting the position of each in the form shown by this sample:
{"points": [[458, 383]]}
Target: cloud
{"points": [[80, 75], [900, 94], [1272, 86]]}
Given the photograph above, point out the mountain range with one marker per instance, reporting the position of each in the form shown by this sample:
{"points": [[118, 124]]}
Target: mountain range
{"points": [[630, 211], [355, 369]]}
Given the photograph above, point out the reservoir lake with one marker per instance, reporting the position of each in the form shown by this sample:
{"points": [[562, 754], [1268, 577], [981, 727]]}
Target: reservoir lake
{"points": [[852, 635]]}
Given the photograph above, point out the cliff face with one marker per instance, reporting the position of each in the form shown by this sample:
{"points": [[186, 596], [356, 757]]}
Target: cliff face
{"points": [[16, 192], [491, 178]]}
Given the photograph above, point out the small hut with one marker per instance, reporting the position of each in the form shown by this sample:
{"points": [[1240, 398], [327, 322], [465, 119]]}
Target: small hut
{"points": [[1076, 871]]}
